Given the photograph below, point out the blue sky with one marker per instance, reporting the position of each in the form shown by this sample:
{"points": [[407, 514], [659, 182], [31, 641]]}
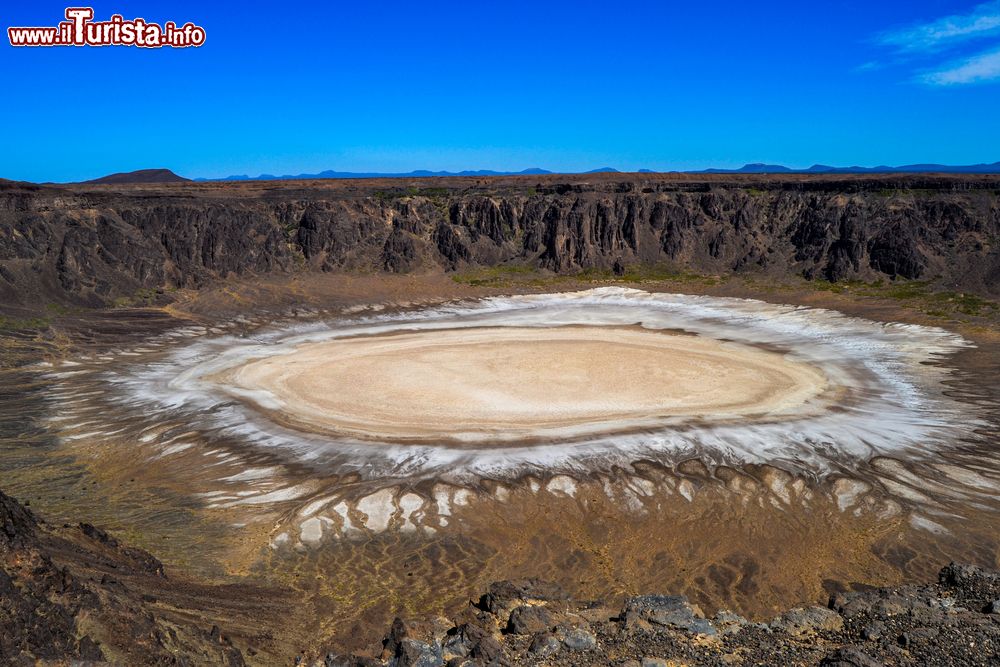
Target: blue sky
{"points": [[392, 86]]}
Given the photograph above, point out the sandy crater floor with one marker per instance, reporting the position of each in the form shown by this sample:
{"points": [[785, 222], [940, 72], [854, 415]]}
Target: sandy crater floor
{"points": [[512, 383]]}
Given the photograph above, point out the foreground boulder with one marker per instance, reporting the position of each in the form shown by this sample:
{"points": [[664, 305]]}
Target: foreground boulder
{"points": [[647, 612]]}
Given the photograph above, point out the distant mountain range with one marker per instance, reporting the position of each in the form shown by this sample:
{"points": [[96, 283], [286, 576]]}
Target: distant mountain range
{"points": [[753, 168], [419, 173], [760, 168], [167, 176]]}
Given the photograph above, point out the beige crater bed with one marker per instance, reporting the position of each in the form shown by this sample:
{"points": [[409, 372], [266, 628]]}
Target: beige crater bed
{"points": [[516, 383]]}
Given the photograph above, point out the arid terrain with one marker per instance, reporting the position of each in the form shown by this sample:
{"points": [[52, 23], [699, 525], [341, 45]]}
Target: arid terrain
{"points": [[296, 410]]}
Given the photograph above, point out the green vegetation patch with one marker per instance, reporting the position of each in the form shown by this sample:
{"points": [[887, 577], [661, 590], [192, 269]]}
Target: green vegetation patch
{"points": [[523, 275], [141, 297], [24, 323], [919, 294], [430, 193], [495, 276]]}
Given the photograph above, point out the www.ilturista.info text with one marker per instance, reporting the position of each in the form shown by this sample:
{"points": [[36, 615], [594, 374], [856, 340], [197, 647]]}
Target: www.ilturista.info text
{"points": [[79, 29]]}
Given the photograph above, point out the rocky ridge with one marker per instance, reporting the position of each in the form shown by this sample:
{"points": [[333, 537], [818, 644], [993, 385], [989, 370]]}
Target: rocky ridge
{"points": [[955, 621], [76, 594], [91, 244]]}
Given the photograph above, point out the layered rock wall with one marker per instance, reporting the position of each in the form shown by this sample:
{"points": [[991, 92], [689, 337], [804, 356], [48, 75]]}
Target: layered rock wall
{"points": [[93, 245]]}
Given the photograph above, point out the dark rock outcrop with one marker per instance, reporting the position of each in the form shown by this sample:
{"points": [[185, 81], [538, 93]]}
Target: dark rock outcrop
{"points": [[77, 595], [529, 619], [948, 623], [92, 245], [17, 523], [672, 611], [503, 597]]}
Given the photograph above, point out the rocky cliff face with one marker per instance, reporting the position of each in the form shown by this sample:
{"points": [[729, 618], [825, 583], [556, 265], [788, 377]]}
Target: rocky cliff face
{"points": [[90, 244]]}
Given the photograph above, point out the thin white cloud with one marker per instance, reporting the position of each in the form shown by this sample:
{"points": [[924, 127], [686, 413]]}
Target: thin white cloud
{"points": [[982, 21], [977, 69]]}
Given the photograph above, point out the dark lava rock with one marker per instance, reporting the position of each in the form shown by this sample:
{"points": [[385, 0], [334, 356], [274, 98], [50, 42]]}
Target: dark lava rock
{"points": [[17, 523], [412, 643], [873, 631], [332, 660], [529, 619], [849, 657], [578, 639], [472, 641], [464, 662], [413, 653], [654, 662], [137, 559], [726, 622], [806, 620], [975, 586], [917, 635], [645, 612], [646, 662], [400, 253], [543, 645], [503, 596], [98, 535]]}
